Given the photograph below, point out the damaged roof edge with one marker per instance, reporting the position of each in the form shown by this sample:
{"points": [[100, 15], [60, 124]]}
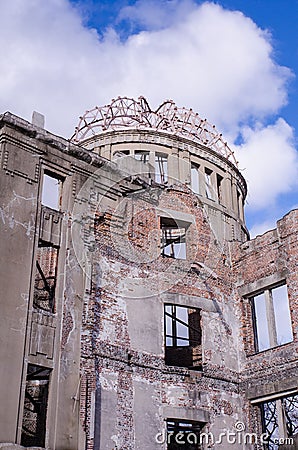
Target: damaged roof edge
{"points": [[67, 147]]}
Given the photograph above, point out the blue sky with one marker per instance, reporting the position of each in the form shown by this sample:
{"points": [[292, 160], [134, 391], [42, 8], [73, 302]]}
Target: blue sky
{"points": [[237, 69]]}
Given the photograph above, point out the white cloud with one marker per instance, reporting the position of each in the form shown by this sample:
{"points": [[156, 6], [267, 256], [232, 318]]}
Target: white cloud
{"points": [[216, 61], [44, 61], [270, 162], [156, 15], [261, 228]]}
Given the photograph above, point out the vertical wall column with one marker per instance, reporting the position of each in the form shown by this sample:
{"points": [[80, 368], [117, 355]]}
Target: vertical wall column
{"points": [[270, 318], [235, 203], [184, 167], [214, 186], [106, 151], [17, 234], [202, 181], [227, 191], [173, 165], [152, 162]]}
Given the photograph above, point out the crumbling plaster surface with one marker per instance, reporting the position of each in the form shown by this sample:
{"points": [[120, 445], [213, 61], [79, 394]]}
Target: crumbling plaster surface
{"points": [[266, 261], [110, 386], [128, 336], [17, 231]]}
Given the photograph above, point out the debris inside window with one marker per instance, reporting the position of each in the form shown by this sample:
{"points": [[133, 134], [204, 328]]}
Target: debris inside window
{"points": [[45, 277], [35, 406], [183, 337], [173, 239]]}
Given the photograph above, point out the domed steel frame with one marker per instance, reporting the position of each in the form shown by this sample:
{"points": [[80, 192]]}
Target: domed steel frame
{"points": [[125, 112]]}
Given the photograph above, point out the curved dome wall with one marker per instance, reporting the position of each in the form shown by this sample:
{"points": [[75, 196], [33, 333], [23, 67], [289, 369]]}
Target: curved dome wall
{"points": [[171, 146]]}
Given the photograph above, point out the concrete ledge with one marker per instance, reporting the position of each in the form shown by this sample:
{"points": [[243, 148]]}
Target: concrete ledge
{"points": [[206, 304], [180, 217], [195, 415], [263, 283], [278, 388], [8, 446]]}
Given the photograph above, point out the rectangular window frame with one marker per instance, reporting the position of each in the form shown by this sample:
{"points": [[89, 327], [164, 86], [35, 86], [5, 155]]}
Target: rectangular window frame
{"points": [[219, 187], [142, 156], [209, 188], [173, 238], [121, 153], [270, 318], [34, 422], [195, 177], [49, 281], [53, 203], [176, 354]]}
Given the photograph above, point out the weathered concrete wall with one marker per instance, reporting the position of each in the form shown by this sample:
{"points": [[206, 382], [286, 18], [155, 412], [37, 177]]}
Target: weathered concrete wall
{"points": [[261, 263], [28, 334], [132, 283], [105, 340], [19, 192], [225, 213]]}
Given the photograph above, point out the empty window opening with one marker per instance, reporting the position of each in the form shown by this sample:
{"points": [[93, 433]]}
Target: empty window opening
{"points": [[280, 420], [219, 180], [161, 168], [120, 153], [142, 155], [183, 337], [182, 434], [209, 191], [173, 239], [272, 319], [51, 192], [195, 178], [45, 277], [35, 406]]}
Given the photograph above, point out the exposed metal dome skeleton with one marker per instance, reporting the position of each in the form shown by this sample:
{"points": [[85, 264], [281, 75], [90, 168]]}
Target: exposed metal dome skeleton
{"points": [[127, 112]]}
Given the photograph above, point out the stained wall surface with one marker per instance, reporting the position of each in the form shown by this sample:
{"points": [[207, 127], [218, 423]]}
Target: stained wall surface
{"points": [[128, 247]]}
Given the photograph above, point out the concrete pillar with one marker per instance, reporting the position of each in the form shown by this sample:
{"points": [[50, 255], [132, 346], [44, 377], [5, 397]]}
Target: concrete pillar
{"points": [[227, 192], [202, 181], [173, 166], [184, 167], [106, 151], [241, 209], [214, 186], [152, 163], [270, 318], [234, 198]]}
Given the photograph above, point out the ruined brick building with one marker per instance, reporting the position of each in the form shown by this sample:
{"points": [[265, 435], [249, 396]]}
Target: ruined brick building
{"points": [[136, 313]]}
